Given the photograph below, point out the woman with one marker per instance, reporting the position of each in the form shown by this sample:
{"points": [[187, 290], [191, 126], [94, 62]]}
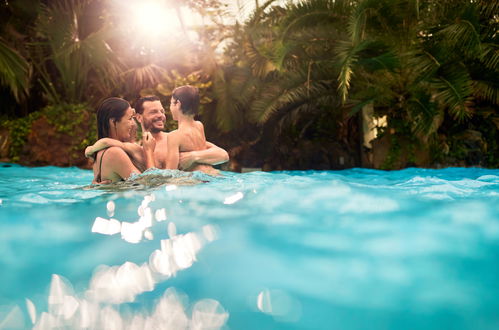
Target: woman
{"points": [[115, 121]]}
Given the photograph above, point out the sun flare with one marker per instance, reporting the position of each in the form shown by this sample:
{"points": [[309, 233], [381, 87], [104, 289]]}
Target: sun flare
{"points": [[153, 19]]}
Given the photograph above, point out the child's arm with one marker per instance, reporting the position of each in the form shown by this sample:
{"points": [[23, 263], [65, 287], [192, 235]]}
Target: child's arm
{"points": [[212, 155], [173, 142]]}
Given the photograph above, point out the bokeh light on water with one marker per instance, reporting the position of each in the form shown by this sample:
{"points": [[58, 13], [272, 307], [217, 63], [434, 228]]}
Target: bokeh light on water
{"points": [[348, 249]]}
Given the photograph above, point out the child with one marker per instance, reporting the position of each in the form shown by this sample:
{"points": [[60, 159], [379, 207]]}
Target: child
{"points": [[189, 136]]}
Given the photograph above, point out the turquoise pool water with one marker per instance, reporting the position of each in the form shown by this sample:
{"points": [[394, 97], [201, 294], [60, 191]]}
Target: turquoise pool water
{"points": [[353, 249]]}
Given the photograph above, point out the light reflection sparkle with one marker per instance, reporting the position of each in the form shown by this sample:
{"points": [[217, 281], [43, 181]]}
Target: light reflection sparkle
{"points": [[234, 198], [110, 286]]}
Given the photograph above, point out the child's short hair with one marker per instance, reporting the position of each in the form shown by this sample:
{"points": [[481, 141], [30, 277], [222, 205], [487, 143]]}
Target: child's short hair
{"points": [[189, 99]]}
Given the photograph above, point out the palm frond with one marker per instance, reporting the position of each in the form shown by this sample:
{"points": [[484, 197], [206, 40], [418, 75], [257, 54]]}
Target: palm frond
{"points": [[310, 14], [145, 76], [261, 65], [234, 89], [14, 71], [488, 9], [282, 96], [486, 90], [425, 115], [259, 14], [464, 36], [490, 56], [83, 64], [423, 64], [454, 90], [348, 55]]}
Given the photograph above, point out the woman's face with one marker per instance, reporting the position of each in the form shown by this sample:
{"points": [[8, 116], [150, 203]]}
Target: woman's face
{"points": [[126, 127]]}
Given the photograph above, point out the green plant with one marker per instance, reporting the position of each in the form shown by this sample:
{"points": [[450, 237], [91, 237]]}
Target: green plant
{"points": [[19, 130], [72, 58], [75, 120]]}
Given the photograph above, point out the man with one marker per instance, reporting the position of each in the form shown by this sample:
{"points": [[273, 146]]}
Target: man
{"points": [[151, 114]]}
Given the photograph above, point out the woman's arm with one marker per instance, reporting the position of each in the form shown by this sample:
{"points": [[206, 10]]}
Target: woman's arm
{"points": [[212, 155]]}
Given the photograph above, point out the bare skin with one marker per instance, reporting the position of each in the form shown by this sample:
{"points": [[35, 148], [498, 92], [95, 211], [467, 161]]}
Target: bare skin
{"points": [[114, 164], [153, 120], [189, 137]]}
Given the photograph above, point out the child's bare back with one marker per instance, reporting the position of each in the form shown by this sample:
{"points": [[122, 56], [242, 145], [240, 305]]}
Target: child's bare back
{"points": [[190, 133], [192, 139]]}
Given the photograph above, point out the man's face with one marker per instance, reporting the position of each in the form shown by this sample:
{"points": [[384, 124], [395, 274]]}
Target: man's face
{"points": [[153, 116]]}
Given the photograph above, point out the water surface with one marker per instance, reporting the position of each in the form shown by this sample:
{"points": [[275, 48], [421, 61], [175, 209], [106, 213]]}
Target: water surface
{"points": [[352, 249]]}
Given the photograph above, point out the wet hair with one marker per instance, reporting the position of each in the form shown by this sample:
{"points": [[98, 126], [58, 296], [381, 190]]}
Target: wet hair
{"points": [[111, 108], [189, 99], [139, 104]]}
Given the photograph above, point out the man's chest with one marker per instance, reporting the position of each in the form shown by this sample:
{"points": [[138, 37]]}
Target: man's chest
{"points": [[160, 153]]}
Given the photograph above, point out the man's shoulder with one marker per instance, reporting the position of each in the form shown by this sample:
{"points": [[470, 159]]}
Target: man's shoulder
{"points": [[174, 134]]}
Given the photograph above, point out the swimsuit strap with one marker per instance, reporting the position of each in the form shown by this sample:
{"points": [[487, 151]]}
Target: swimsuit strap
{"points": [[98, 178]]}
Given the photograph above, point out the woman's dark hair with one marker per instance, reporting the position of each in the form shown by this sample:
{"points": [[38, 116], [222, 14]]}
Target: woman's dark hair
{"points": [[111, 108], [189, 99]]}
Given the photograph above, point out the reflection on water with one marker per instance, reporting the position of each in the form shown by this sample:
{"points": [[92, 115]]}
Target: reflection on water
{"points": [[154, 178], [356, 249], [111, 286]]}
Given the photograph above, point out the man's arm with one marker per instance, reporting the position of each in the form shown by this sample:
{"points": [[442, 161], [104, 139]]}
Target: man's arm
{"points": [[172, 158], [212, 155]]}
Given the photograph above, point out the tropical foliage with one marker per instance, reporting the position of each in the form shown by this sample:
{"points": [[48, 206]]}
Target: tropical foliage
{"points": [[285, 87]]}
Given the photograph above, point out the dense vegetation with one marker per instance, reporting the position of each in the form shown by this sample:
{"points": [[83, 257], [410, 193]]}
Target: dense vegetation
{"points": [[285, 89]]}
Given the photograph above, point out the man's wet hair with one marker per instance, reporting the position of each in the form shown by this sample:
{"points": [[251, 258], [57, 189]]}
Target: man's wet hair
{"points": [[139, 104], [111, 108], [189, 99]]}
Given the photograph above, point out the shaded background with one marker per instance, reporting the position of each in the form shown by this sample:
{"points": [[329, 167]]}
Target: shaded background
{"points": [[285, 85]]}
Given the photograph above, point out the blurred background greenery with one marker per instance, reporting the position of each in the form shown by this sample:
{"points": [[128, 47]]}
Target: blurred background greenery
{"points": [[317, 84]]}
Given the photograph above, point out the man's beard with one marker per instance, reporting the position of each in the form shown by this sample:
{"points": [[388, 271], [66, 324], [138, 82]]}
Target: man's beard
{"points": [[151, 128]]}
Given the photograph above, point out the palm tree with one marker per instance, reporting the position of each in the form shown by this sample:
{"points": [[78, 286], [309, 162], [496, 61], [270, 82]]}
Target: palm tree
{"points": [[14, 71], [419, 61], [74, 61], [282, 77]]}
